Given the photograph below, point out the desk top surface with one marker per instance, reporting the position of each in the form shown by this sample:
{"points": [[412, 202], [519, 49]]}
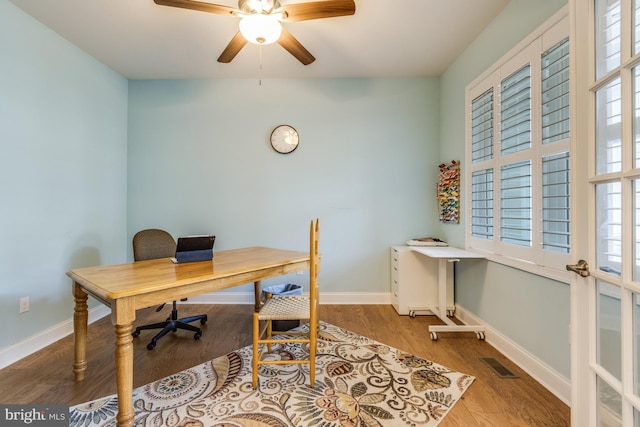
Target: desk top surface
{"points": [[445, 252], [122, 280]]}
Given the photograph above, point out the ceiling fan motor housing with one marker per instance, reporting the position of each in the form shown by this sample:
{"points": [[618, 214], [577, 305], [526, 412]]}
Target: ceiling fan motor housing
{"points": [[258, 6]]}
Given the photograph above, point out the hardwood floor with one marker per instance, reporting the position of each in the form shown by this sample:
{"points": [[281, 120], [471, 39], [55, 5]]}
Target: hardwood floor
{"points": [[46, 378]]}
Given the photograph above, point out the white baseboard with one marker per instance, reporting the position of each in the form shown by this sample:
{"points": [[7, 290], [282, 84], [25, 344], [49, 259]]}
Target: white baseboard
{"points": [[540, 371], [12, 354]]}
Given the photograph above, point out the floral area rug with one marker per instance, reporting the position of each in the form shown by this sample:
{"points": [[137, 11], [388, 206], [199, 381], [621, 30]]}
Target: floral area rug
{"points": [[359, 383]]}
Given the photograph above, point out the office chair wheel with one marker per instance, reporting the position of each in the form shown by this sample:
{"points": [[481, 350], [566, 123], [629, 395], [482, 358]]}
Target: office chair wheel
{"points": [[151, 345], [135, 333], [197, 335], [203, 321]]}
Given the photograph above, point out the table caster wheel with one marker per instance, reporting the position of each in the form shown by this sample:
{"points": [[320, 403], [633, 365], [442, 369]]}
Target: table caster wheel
{"points": [[434, 336], [450, 313], [412, 313], [480, 335]]}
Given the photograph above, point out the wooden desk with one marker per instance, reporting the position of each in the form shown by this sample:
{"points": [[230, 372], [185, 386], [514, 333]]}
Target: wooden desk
{"points": [[444, 255], [129, 287]]}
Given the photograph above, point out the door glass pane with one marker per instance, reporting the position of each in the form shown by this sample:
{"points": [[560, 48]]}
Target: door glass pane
{"points": [[609, 227], [636, 26], [636, 115], [636, 344], [607, 27], [609, 406], [636, 230], [608, 326], [608, 129]]}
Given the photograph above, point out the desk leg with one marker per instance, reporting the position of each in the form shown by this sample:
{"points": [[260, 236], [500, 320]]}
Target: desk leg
{"points": [[257, 290], [123, 313], [441, 311], [442, 289], [80, 316], [124, 374]]}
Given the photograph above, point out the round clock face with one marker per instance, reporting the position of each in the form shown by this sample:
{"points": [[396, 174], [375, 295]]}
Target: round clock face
{"points": [[284, 139]]}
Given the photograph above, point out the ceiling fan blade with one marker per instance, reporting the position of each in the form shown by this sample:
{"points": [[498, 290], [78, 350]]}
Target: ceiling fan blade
{"points": [[295, 48], [318, 9], [232, 49], [198, 5]]}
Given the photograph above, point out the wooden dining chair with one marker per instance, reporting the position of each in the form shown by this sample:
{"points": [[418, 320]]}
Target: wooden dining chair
{"points": [[290, 307]]}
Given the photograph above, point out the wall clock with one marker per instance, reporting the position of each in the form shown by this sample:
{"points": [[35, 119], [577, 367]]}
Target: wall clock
{"points": [[284, 139]]}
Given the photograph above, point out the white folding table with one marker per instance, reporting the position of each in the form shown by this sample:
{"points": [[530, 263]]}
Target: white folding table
{"points": [[444, 255]]}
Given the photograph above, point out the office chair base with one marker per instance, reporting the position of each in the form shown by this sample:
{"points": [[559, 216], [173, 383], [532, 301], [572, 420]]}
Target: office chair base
{"points": [[172, 325]]}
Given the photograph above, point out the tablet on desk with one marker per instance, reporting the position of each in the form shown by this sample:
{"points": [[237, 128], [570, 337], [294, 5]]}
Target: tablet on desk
{"points": [[194, 248]]}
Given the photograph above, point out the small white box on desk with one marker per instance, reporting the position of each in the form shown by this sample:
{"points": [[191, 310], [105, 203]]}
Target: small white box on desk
{"points": [[414, 282]]}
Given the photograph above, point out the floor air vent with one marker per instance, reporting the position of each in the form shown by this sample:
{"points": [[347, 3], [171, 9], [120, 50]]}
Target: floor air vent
{"points": [[498, 368]]}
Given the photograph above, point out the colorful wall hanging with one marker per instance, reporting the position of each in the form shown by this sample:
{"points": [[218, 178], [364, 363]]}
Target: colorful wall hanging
{"points": [[449, 192]]}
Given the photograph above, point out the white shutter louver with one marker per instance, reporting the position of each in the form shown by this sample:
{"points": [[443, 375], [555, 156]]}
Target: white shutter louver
{"points": [[482, 204], [515, 111], [482, 127], [556, 234], [515, 203]]}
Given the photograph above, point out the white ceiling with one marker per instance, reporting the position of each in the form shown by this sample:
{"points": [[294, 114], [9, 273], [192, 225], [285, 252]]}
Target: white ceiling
{"points": [[385, 38]]}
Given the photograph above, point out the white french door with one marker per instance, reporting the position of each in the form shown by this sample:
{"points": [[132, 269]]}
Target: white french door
{"points": [[605, 319]]}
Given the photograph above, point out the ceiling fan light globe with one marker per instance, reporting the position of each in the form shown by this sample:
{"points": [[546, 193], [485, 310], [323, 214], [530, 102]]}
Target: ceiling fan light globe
{"points": [[260, 28]]}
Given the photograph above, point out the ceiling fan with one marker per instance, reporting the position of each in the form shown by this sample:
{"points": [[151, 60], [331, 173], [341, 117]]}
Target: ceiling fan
{"points": [[260, 23]]}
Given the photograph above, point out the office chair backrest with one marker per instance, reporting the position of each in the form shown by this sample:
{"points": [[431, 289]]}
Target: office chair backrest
{"points": [[153, 243]]}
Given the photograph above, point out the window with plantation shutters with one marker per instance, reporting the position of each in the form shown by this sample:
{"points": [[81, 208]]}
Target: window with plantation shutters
{"points": [[518, 157]]}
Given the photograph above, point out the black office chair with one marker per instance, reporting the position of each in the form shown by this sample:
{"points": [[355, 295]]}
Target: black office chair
{"points": [[152, 244]]}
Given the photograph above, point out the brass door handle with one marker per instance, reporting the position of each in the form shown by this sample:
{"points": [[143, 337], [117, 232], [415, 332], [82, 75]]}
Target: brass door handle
{"points": [[581, 268]]}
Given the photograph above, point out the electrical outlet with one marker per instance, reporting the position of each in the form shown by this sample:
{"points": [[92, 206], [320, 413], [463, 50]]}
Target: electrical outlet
{"points": [[24, 304]]}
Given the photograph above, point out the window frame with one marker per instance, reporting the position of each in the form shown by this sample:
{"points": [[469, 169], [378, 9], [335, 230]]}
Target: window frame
{"points": [[532, 258]]}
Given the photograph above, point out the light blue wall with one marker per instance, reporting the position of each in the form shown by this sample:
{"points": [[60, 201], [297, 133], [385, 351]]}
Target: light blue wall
{"points": [[530, 310], [63, 121], [200, 161], [197, 160]]}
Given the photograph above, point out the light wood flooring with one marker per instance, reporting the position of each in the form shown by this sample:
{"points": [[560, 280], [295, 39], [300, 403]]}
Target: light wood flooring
{"points": [[45, 377]]}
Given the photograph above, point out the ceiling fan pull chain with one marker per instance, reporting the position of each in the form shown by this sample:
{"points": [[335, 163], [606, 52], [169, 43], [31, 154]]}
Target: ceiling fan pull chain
{"points": [[260, 71]]}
